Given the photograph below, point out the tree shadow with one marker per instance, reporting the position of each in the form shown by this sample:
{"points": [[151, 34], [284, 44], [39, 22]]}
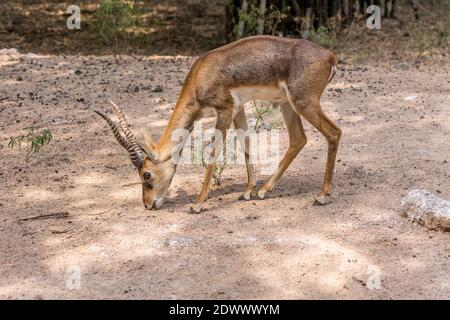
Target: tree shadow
{"points": [[282, 247], [165, 27]]}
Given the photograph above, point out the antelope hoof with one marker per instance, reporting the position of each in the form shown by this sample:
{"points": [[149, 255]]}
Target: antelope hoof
{"points": [[320, 200], [261, 194], [246, 195], [195, 208]]}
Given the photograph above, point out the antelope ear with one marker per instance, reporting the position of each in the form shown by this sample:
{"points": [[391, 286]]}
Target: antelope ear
{"points": [[153, 155], [146, 144], [148, 140]]}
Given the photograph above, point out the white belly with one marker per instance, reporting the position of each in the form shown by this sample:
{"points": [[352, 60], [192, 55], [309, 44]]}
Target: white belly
{"points": [[244, 94]]}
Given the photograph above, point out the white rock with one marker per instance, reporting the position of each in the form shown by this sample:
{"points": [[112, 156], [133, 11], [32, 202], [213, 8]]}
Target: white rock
{"points": [[410, 98], [178, 242], [30, 55], [11, 51], [425, 208]]}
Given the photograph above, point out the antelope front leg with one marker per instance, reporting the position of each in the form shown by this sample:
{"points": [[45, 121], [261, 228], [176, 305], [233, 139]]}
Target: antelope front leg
{"points": [[197, 207], [224, 119], [240, 122]]}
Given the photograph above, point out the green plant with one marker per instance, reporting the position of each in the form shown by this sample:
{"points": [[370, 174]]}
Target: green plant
{"points": [[425, 36], [250, 19], [217, 173], [442, 34], [273, 20], [322, 36], [219, 166], [34, 141], [8, 15], [260, 112], [113, 18]]}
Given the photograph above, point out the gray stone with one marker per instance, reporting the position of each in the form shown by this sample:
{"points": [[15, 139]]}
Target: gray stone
{"points": [[427, 209]]}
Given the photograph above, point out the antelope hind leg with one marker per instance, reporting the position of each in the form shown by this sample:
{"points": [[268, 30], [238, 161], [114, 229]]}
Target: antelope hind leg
{"points": [[297, 140]]}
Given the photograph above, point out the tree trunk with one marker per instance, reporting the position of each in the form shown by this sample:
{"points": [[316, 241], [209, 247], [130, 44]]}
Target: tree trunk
{"points": [[394, 9], [307, 24], [241, 23], [296, 8], [283, 17], [294, 17], [261, 19], [344, 9]]}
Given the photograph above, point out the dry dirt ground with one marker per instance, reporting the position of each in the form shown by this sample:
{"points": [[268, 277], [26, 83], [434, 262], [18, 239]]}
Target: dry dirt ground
{"points": [[281, 247]]}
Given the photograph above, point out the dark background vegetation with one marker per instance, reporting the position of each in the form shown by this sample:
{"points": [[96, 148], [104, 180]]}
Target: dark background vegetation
{"points": [[416, 29], [77, 202]]}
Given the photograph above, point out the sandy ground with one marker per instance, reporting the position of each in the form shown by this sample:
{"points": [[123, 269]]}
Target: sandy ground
{"points": [[281, 247]]}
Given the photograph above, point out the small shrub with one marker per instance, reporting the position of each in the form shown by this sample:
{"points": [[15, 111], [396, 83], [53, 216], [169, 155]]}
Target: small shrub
{"points": [[34, 141], [273, 19], [425, 36], [250, 19], [324, 37], [113, 17], [217, 173], [260, 112], [219, 167], [8, 17]]}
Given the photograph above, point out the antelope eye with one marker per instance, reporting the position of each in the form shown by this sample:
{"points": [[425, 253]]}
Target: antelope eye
{"points": [[147, 175]]}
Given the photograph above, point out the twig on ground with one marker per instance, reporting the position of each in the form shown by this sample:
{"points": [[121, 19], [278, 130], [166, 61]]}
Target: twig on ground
{"points": [[131, 184], [56, 215], [421, 7], [96, 214]]}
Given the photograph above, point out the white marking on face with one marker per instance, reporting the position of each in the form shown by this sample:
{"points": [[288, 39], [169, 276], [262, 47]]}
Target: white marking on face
{"points": [[159, 202]]}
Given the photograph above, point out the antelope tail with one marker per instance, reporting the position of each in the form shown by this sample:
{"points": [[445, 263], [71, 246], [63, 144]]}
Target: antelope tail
{"points": [[332, 73]]}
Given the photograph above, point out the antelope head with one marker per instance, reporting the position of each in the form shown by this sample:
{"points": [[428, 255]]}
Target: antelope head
{"points": [[155, 175]]}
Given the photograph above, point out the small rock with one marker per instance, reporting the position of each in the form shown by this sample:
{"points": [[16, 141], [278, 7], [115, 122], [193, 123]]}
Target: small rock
{"points": [[178, 242], [158, 100], [403, 66], [427, 209], [12, 51], [157, 88], [410, 98]]}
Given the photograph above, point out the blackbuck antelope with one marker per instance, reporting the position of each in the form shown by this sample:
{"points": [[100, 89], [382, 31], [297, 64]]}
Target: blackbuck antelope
{"points": [[290, 72]]}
